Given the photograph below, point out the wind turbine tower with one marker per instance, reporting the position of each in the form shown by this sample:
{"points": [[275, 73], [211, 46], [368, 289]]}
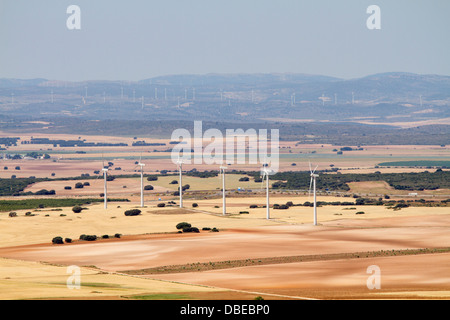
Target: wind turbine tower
{"points": [[105, 193], [222, 172], [180, 169], [142, 165], [313, 184], [265, 175]]}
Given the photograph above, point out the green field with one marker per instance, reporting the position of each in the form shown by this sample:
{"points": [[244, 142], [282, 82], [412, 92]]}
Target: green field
{"points": [[417, 163]]}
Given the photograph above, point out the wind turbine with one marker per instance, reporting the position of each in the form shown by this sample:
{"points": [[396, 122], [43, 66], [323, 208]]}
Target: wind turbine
{"points": [[180, 169], [222, 172], [313, 183], [142, 165], [265, 174], [105, 178]]}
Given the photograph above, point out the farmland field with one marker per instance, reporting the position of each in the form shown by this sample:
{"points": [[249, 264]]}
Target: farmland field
{"points": [[418, 163], [284, 257]]}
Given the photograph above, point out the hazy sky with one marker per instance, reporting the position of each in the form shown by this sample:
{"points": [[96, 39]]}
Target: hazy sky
{"points": [[138, 39]]}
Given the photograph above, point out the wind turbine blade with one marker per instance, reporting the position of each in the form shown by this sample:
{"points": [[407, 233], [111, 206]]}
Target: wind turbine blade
{"points": [[310, 185], [262, 180], [315, 169], [310, 169]]}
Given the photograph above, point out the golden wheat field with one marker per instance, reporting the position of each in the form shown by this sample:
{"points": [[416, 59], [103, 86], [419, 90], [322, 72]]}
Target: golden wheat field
{"points": [[33, 267]]}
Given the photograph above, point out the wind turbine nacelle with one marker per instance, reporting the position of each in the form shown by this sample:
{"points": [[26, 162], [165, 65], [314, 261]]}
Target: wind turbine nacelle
{"points": [[267, 172], [314, 175]]}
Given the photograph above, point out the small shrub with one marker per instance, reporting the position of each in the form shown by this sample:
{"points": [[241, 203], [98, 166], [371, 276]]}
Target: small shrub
{"points": [[67, 188], [183, 225], [117, 235], [174, 182], [195, 205], [243, 212], [86, 237], [105, 236], [191, 229], [79, 185], [12, 214], [148, 187], [161, 205], [360, 212], [77, 209], [215, 229], [133, 212], [401, 205], [152, 178], [253, 206], [206, 229], [57, 240], [68, 240]]}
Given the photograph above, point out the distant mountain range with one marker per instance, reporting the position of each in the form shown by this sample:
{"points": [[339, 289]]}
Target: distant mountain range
{"points": [[380, 98]]}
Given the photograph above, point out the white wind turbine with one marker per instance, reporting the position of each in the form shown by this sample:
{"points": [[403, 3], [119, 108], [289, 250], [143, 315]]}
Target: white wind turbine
{"points": [[313, 183], [142, 165], [222, 173], [180, 169], [265, 174], [105, 178]]}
